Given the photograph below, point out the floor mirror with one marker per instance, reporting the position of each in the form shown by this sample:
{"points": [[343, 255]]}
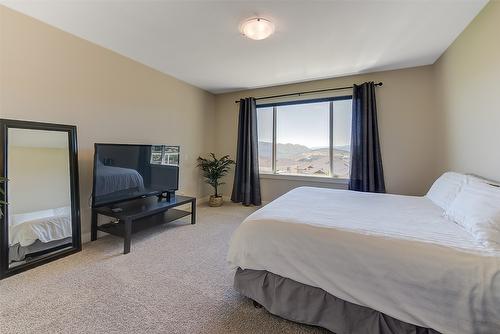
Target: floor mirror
{"points": [[40, 219]]}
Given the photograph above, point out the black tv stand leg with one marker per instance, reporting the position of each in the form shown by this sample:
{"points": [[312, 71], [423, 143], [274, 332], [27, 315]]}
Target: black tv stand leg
{"points": [[128, 236], [193, 211], [93, 229]]}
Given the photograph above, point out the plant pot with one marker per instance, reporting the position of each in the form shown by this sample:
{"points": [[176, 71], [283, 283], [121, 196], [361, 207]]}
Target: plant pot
{"points": [[215, 201]]}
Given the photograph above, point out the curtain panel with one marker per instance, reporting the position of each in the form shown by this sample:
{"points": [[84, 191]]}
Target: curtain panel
{"points": [[246, 186], [366, 160]]}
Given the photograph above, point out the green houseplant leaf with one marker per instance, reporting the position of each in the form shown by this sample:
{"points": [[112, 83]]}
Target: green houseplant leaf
{"points": [[214, 169]]}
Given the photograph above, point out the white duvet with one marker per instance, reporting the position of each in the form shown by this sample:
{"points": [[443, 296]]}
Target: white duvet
{"points": [[395, 254], [46, 226]]}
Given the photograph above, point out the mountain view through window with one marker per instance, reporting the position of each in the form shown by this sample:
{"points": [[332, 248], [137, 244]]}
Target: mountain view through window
{"points": [[310, 139]]}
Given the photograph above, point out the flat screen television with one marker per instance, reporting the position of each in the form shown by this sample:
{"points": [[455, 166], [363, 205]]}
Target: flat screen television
{"points": [[123, 172]]}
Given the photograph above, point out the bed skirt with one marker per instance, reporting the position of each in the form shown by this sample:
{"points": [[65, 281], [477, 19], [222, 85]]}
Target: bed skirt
{"points": [[19, 253], [302, 303]]}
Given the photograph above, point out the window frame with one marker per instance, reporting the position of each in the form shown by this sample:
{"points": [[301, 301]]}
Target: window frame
{"points": [[299, 177], [165, 156]]}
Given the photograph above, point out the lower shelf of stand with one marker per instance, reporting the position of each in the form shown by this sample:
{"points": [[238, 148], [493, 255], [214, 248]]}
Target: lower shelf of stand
{"points": [[118, 229]]}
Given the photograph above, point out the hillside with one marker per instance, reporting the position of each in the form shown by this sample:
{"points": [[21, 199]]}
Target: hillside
{"points": [[300, 159]]}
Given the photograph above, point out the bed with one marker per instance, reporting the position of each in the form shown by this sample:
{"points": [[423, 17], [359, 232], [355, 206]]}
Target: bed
{"points": [[37, 232], [113, 179], [357, 262]]}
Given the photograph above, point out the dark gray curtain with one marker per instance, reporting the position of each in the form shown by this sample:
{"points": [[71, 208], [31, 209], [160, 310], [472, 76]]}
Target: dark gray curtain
{"points": [[366, 163], [246, 186]]}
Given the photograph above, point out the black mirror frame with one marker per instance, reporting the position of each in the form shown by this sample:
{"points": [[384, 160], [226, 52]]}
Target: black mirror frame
{"points": [[5, 124]]}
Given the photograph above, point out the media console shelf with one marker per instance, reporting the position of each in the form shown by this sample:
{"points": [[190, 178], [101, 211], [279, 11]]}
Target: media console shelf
{"points": [[137, 215]]}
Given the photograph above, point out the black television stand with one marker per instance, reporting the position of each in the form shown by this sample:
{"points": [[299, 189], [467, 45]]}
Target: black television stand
{"points": [[137, 215]]}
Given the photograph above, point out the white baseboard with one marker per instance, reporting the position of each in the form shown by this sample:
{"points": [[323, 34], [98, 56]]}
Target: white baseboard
{"points": [[85, 237]]}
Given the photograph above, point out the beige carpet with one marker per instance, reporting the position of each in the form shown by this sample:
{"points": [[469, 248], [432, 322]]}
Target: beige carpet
{"points": [[175, 280]]}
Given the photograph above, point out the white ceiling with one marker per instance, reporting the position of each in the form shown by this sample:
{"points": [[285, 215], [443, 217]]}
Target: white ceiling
{"points": [[199, 41]]}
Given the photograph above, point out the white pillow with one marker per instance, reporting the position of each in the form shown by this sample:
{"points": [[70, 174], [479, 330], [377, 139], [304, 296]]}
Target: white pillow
{"points": [[477, 209], [446, 188]]}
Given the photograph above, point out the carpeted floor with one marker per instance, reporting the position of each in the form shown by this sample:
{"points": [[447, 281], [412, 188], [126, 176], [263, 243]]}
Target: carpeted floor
{"points": [[175, 280]]}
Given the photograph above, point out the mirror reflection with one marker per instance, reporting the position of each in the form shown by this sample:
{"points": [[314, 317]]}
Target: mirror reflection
{"points": [[130, 171], [165, 155], [39, 212]]}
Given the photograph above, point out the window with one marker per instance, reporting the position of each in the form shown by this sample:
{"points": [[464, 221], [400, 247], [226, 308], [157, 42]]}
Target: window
{"points": [[156, 154], [165, 155], [265, 136], [307, 138]]}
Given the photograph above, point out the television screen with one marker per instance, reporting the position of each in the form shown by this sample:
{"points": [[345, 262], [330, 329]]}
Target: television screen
{"points": [[123, 172]]}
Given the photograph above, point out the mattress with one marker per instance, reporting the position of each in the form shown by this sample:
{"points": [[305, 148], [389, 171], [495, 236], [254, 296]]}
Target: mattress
{"points": [[395, 254]]}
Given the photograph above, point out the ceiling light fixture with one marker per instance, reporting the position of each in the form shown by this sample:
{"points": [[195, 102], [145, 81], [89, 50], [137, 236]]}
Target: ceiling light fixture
{"points": [[257, 28]]}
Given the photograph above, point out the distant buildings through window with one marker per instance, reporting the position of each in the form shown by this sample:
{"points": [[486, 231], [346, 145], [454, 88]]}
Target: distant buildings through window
{"points": [[310, 137]]}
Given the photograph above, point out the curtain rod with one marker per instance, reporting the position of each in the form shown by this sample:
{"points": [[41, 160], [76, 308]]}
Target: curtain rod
{"points": [[306, 92]]}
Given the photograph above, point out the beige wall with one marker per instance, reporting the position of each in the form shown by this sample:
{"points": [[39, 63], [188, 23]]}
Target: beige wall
{"points": [[51, 76], [468, 90], [407, 124], [38, 179]]}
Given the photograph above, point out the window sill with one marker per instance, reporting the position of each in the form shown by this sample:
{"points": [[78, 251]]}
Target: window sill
{"points": [[315, 179]]}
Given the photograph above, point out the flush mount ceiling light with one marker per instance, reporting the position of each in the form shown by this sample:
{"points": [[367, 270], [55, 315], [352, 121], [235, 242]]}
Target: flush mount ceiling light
{"points": [[257, 28]]}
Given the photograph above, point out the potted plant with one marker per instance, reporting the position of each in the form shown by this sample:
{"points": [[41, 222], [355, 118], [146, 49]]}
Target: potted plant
{"points": [[213, 170], [2, 194]]}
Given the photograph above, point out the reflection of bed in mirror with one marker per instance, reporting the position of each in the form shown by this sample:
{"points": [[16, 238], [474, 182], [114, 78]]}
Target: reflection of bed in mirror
{"points": [[114, 179], [41, 221], [36, 233], [39, 189]]}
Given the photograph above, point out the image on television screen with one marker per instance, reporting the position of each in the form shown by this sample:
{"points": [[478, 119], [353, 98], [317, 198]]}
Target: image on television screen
{"points": [[123, 172]]}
